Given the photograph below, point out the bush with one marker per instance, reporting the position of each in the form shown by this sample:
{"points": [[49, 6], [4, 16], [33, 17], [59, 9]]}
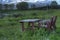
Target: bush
{"points": [[6, 6], [54, 4], [22, 5], [0, 6]]}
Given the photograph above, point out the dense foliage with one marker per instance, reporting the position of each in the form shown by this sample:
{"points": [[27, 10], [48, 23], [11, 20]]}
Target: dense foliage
{"points": [[25, 5], [0, 6], [22, 5], [6, 6], [54, 4]]}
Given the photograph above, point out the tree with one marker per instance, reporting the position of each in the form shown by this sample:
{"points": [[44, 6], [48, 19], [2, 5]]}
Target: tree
{"points": [[54, 4], [11, 6], [0, 6], [22, 5], [6, 6], [33, 6]]}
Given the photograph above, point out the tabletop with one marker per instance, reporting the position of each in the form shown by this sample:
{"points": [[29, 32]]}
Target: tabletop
{"points": [[30, 20]]}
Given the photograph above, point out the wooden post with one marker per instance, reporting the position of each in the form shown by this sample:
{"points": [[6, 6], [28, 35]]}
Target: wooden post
{"points": [[49, 26], [32, 25], [29, 24], [39, 24], [22, 26]]}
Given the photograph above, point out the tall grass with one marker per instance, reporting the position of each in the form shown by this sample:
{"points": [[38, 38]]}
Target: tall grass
{"points": [[10, 28]]}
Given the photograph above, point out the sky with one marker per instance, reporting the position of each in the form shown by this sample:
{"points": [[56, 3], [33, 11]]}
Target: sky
{"points": [[58, 1], [38, 0], [33, 0]]}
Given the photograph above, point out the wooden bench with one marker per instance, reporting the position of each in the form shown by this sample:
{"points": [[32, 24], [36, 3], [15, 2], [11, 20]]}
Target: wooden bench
{"points": [[50, 24]]}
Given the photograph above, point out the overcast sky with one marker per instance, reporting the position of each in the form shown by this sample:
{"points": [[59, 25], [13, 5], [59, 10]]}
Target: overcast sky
{"points": [[58, 1], [38, 0]]}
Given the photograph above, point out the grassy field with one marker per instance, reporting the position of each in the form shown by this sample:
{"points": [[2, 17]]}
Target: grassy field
{"points": [[10, 28]]}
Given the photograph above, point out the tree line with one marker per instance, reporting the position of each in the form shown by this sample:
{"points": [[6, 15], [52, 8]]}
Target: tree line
{"points": [[25, 6], [6, 6]]}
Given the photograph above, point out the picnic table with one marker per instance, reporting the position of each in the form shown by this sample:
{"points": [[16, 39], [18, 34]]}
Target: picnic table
{"points": [[29, 21], [50, 24]]}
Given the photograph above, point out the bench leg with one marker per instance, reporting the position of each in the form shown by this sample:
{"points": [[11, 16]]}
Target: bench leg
{"points": [[54, 27], [48, 26]]}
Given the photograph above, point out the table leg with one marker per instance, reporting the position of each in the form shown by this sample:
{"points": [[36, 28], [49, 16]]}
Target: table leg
{"points": [[39, 24], [29, 24], [32, 25], [23, 26]]}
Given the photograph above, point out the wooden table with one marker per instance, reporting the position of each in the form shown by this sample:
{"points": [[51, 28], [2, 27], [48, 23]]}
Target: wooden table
{"points": [[29, 21]]}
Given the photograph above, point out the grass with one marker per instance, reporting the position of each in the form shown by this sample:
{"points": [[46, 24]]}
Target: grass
{"points": [[10, 28]]}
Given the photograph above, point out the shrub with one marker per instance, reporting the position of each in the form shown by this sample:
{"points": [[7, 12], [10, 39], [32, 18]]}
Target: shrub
{"points": [[22, 5], [53, 4], [0, 6]]}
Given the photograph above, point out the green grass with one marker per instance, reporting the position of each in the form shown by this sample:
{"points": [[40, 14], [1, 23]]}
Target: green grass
{"points": [[10, 28]]}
